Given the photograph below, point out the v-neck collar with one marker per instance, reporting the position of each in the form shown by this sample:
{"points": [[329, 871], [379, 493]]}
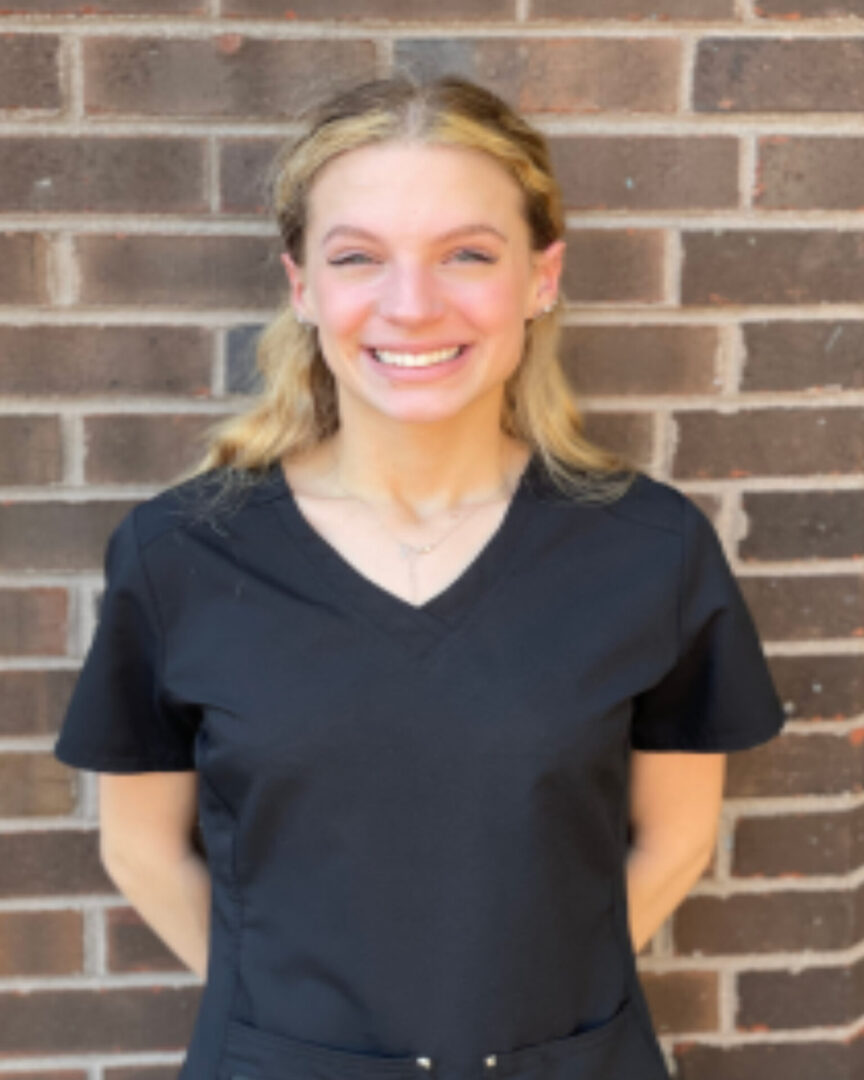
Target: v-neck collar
{"points": [[418, 626]]}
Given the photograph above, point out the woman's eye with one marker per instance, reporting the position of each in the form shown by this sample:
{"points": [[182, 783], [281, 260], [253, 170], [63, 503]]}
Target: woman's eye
{"points": [[472, 255], [347, 259]]}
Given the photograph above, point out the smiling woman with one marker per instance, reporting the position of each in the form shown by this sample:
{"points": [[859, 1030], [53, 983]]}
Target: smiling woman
{"points": [[430, 663]]}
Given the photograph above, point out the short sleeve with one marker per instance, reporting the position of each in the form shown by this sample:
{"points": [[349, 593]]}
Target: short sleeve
{"points": [[719, 694], [118, 718]]}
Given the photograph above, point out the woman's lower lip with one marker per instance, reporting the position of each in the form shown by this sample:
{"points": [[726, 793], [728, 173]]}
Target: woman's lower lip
{"points": [[418, 374]]}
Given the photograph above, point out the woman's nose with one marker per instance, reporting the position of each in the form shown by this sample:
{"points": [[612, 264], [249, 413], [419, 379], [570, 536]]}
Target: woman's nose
{"points": [[410, 294]]}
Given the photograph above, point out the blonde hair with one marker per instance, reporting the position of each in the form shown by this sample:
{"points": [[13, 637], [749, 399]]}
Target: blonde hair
{"points": [[297, 407]]}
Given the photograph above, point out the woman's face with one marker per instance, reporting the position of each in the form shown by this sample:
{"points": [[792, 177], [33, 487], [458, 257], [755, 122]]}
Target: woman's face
{"points": [[420, 252]]}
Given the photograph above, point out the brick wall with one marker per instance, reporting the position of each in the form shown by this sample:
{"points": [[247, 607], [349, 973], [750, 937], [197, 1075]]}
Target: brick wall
{"points": [[712, 155]]}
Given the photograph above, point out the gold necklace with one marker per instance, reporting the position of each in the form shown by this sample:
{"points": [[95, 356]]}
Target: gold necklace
{"points": [[409, 551]]}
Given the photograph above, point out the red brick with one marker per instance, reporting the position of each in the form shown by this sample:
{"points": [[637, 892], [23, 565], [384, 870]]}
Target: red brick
{"points": [[83, 8], [765, 75], [79, 1021], [23, 265], [761, 923], [33, 621], [393, 10], [792, 175], [620, 265], [768, 442], [244, 173], [107, 360], [29, 75], [649, 359], [577, 75], [34, 785], [32, 702], [31, 450], [795, 845], [145, 449], [650, 172], [144, 175], [806, 998], [133, 946], [227, 75], [799, 355], [773, 266], [58, 536], [627, 433], [181, 271], [803, 525], [41, 943], [632, 10]]}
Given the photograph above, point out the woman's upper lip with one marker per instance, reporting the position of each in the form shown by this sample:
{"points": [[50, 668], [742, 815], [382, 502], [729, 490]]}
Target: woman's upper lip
{"points": [[417, 348]]}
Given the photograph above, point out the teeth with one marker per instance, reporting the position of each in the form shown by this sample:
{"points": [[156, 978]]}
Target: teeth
{"points": [[416, 359]]}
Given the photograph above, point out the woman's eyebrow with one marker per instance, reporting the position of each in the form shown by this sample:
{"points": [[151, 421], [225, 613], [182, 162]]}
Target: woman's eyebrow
{"points": [[460, 230]]}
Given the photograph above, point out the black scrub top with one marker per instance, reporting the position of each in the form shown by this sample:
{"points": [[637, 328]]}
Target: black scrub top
{"points": [[415, 817]]}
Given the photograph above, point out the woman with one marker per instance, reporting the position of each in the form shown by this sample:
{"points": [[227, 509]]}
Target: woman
{"points": [[449, 687]]}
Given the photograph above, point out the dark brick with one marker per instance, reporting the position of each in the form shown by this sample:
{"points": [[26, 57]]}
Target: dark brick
{"points": [[31, 450], [181, 271], [245, 167], [632, 9], [577, 75], [83, 1021], [800, 999], [821, 687], [621, 265], [762, 923], [769, 442], [651, 172], [32, 702], [809, 764], [41, 943], [56, 862], [59, 536], [392, 10], [134, 946], [682, 1000], [765, 75], [792, 175], [803, 525], [143, 449], [649, 359], [33, 621], [226, 76], [143, 175], [628, 433], [242, 376], [795, 607], [29, 75], [772, 266], [830, 1059], [23, 264], [792, 355], [807, 9], [797, 845], [111, 360]]}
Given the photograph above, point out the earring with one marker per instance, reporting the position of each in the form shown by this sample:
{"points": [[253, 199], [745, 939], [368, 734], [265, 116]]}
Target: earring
{"points": [[545, 310]]}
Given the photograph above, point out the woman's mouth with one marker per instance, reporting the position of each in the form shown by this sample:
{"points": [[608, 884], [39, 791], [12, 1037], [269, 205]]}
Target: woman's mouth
{"points": [[410, 367], [392, 358]]}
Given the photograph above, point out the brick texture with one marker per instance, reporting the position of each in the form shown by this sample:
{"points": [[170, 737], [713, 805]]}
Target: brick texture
{"points": [[710, 164]]}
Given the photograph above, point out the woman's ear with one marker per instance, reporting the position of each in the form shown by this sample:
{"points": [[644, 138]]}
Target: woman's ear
{"points": [[548, 267], [297, 285]]}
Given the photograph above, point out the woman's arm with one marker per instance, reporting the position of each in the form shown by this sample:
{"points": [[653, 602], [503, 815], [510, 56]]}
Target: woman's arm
{"points": [[147, 849], [675, 802]]}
